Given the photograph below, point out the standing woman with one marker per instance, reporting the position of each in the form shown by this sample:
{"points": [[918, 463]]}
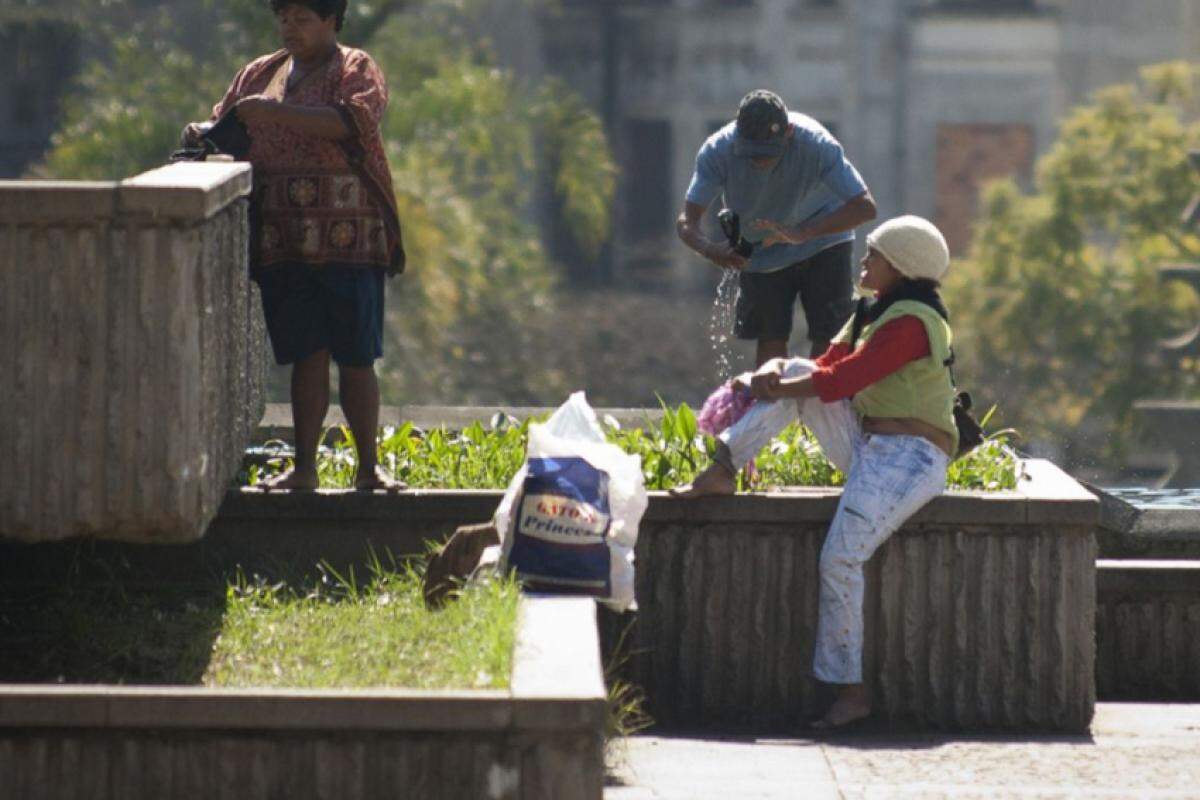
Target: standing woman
{"points": [[326, 231], [882, 408]]}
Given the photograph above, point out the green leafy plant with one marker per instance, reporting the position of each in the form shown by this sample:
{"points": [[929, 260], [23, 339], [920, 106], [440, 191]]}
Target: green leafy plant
{"points": [[992, 466], [673, 452], [794, 459]]}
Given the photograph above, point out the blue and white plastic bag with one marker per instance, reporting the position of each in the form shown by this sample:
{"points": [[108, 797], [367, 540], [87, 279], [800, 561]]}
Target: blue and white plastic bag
{"points": [[569, 520]]}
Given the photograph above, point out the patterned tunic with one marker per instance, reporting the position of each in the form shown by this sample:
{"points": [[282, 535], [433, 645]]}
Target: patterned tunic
{"points": [[314, 208]]}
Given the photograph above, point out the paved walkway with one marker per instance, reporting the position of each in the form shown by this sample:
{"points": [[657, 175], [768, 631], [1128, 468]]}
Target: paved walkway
{"points": [[1135, 751]]}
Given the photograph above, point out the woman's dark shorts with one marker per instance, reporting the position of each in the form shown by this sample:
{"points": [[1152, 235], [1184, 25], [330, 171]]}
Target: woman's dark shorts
{"points": [[332, 307], [824, 282]]}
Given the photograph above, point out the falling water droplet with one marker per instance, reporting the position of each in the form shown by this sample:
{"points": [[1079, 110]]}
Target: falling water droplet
{"points": [[720, 322]]}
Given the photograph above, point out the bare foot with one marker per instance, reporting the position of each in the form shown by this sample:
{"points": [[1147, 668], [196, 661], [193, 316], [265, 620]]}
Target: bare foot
{"points": [[716, 480], [378, 480], [844, 711], [290, 481]]}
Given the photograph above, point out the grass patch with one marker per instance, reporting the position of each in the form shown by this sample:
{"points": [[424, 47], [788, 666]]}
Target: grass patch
{"points": [[320, 632], [672, 453], [340, 633], [106, 632]]}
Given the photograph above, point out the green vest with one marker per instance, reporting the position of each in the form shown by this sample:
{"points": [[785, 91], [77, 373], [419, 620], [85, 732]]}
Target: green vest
{"points": [[921, 388]]}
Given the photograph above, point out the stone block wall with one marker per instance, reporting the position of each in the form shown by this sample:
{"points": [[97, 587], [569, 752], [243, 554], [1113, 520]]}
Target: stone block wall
{"points": [[1148, 630], [134, 345]]}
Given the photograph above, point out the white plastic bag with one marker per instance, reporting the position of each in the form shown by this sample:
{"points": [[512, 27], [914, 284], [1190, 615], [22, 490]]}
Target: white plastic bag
{"points": [[569, 520]]}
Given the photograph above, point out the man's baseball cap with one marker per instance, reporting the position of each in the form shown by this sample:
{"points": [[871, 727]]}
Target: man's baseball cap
{"points": [[762, 124]]}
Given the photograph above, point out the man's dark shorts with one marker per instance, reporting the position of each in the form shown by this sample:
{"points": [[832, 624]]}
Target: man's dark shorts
{"points": [[332, 307], [824, 282]]}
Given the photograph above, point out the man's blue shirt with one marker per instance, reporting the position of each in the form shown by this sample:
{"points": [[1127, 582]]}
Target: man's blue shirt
{"points": [[813, 178]]}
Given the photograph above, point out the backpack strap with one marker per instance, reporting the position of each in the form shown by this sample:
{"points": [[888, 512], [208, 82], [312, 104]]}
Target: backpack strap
{"points": [[860, 321]]}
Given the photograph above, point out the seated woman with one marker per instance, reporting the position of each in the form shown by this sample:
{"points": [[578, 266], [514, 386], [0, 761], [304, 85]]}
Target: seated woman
{"points": [[882, 409]]}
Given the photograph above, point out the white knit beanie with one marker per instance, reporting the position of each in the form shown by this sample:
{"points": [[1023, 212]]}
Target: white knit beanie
{"points": [[913, 245]]}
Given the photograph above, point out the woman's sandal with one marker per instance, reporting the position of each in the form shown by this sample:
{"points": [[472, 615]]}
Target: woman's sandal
{"points": [[824, 725]]}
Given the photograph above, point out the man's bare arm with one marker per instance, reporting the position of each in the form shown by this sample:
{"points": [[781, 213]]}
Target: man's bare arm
{"points": [[719, 253], [853, 212]]}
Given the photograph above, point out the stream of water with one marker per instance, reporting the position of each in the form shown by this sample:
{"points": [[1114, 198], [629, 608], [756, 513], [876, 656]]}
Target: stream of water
{"points": [[720, 326]]}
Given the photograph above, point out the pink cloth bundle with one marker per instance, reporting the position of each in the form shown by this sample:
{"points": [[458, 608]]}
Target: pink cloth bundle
{"points": [[723, 408]]}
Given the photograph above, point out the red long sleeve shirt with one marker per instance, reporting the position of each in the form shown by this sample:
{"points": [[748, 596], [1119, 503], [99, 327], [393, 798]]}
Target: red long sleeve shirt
{"points": [[841, 373]]}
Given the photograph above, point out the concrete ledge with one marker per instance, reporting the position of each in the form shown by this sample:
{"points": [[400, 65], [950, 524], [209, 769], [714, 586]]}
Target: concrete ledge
{"points": [[188, 191], [541, 739], [184, 192], [811, 505], [259, 531], [53, 202], [1054, 497], [251, 709], [1047, 495], [1127, 531]]}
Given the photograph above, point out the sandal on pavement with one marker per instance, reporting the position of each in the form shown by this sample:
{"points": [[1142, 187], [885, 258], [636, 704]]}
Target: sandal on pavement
{"points": [[824, 725]]}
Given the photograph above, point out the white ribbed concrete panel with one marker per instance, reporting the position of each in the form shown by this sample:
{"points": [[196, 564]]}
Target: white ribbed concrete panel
{"points": [[134, 343]]}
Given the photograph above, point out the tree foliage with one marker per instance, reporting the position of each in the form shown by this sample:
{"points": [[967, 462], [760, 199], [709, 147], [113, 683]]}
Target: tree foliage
{"points": [[469, 144], [1059, 308]]}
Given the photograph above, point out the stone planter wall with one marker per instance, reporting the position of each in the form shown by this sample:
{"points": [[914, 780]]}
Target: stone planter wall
{"points": [[1148, 630], [133, 347], [979, 612], [1148, 602], [541, 740]]}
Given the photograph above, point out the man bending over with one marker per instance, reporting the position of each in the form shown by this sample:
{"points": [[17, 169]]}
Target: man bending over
{"points": [[799, 200]]}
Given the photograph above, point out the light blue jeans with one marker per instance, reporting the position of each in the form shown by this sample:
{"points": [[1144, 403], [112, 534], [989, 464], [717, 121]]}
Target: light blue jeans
{"points": [[888, 479]]}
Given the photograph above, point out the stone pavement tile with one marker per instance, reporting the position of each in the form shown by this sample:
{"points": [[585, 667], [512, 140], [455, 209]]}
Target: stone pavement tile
{"points": [[629, 793], [1147, 751], [1135, 751], [1167, 720], [693, 769]]}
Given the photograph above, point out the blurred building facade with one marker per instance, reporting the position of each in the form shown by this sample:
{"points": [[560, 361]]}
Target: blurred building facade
{"points": [[930, 97], [39, 55]]}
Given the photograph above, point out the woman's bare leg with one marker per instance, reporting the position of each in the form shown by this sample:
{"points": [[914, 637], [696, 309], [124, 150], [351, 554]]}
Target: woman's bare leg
{"points": [[359, 391], [310, 402]]}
